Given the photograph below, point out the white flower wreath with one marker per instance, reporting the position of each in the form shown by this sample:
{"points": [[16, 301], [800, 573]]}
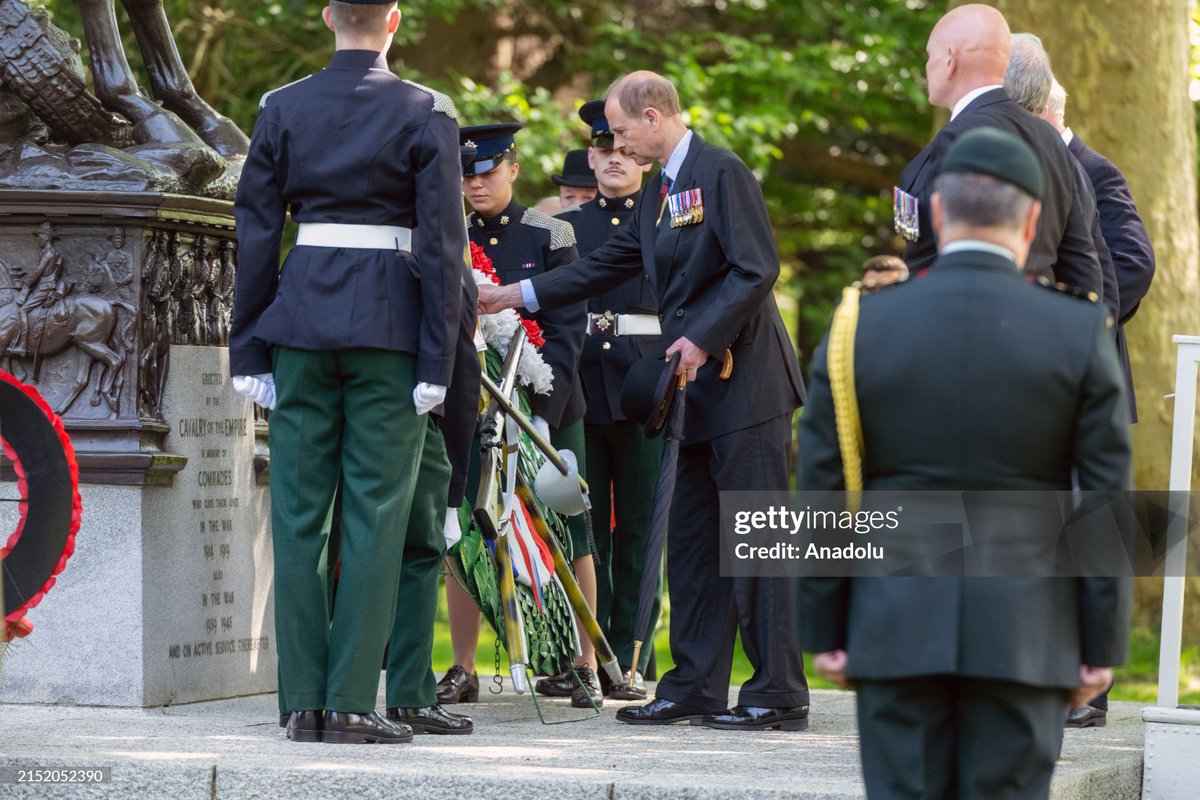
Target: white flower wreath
{"points": [[498, 329]]}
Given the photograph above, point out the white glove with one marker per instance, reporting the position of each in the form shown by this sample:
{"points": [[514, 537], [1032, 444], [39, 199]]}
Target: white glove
{"points": [[451, 529], [427, 396], [259, 388], [542, 426]]}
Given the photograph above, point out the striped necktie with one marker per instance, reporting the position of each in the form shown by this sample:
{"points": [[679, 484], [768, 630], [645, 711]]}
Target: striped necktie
{"points": [[662, 196]]}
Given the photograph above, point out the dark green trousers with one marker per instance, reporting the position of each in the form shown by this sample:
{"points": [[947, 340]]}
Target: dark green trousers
{"points": [[570, 437], [410, 681], [950, 736], [621, 454], [348, 415]]}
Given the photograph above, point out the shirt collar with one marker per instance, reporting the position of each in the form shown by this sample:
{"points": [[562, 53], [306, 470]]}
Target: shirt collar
{"points": [[675, 162], [358, 59], [976, 244], [1067, 135], [971, 95]]}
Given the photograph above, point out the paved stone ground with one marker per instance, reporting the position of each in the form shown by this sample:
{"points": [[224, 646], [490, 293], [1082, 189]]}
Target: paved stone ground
{"points": [[234, 749]]}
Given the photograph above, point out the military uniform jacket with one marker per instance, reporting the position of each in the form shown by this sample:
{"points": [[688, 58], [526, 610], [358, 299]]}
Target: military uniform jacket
{"points": [[1063, 248], [523, 242], [712, 280], [607, 358], [1127, 241], [951, 418], [351, 144]]}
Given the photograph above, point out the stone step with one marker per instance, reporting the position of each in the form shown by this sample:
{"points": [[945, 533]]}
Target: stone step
{"points": [[234, 749]]}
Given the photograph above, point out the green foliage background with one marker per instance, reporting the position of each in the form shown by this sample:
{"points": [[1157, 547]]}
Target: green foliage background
{"points": [[823, 99]]}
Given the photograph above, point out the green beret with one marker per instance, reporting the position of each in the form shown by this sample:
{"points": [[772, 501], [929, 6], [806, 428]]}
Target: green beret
{"points": [[989, 151]]}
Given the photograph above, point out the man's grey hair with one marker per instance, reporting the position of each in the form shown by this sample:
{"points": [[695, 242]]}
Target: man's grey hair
{"points": [[1029, 76], [638, 91], [981, 201], [1056, 104]]}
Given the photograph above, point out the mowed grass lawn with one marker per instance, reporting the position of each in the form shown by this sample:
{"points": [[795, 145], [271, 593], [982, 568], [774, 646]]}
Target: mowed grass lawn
{"points": [[1136, 681]]}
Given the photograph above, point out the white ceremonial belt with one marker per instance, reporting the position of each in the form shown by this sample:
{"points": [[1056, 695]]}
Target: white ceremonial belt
{"points": [[638, 325], [359, 237], [624, 324]]}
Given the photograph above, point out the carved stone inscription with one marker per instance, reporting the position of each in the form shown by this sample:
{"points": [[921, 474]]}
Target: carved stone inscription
{"points": [[216, 626]]}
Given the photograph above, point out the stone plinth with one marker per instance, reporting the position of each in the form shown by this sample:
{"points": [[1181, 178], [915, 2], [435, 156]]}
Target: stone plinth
{"points": [[168, 598]]}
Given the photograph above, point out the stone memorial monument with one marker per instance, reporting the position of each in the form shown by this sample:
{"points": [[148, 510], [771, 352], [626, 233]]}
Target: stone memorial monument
{"points": [[117, 264]]}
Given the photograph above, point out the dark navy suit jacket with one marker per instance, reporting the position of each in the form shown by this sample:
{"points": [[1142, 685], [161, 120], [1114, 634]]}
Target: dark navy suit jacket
{"points": [[1063, 248], [1127, 240]]}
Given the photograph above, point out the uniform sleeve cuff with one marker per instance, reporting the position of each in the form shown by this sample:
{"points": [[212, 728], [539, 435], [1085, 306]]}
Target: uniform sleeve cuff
{"points": [[528, 296], [250, 360], [434, 369]]}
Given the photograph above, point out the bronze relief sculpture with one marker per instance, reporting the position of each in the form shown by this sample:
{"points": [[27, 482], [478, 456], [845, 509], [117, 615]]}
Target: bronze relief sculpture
{"points": [[116, 234]]}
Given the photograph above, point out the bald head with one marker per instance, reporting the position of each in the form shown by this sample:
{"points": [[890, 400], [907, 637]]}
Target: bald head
{"points": [[968, 48]]}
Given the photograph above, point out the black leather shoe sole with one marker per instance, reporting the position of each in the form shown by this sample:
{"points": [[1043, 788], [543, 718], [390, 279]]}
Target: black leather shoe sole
{"points": [[306, 735], [1091, 722], [419, 727], [625, 694], [548, 689], [359, 737], [694, 719], [778, 725], [470, 695]]}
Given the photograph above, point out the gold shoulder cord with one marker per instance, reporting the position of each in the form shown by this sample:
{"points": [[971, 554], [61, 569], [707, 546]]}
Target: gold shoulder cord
{"points": [[845, 399]]}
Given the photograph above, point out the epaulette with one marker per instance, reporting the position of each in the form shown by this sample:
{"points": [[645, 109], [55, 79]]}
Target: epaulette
{"points": [[262, 103], [561, 232], [1070, 291], [441, 103], [873, 288]]}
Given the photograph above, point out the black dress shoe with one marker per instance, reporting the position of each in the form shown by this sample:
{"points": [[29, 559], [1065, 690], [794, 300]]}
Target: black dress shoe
{"points": [[1086, 717], [457, 686], [342, 727], [659, 712], [305, 726], [632, 688], [560, 685], [432, 719], [589, 693], [756, 718]]}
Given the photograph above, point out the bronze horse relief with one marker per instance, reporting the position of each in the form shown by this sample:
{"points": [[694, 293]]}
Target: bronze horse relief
{"points": [[36, 325], [116, 231]]}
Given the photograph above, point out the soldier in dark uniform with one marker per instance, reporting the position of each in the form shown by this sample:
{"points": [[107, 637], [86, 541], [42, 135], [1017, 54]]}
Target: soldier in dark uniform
{"points": [[577, 183], [522, 242], [622, 326], [963, 683], [350, 342]]}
